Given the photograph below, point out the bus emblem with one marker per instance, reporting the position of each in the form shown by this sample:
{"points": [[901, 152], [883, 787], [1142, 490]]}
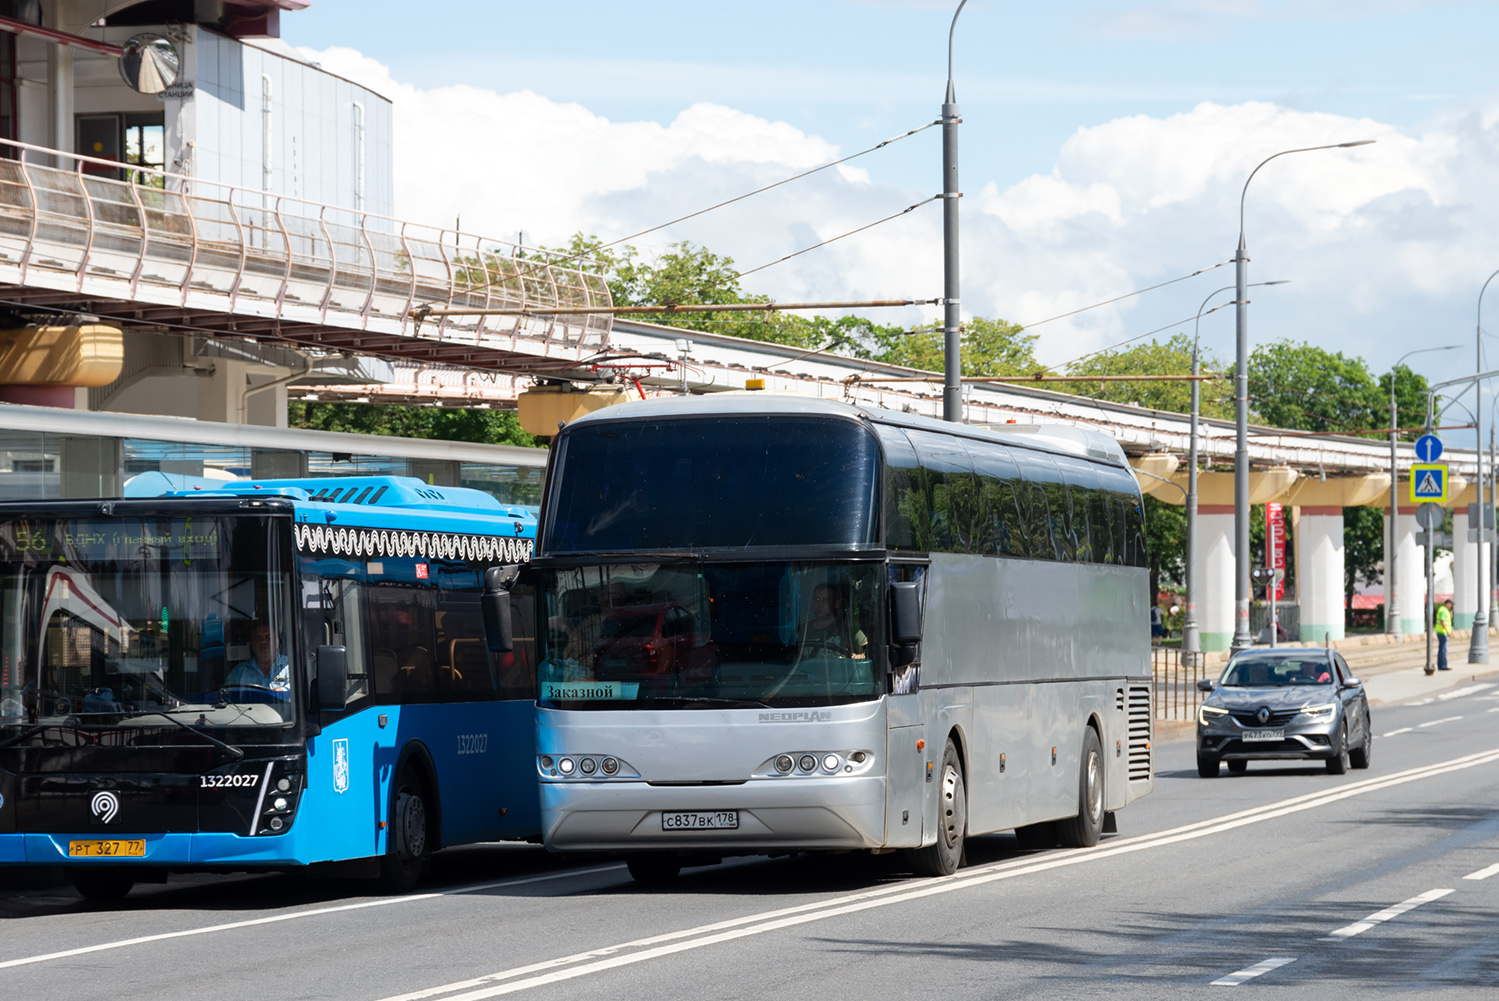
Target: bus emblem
{"points": [[104, 806], [341, 765]]}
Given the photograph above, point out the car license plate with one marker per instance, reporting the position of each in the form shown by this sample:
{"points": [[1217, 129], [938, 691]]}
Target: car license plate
{"points": [[1251, 735], [106, 849], [717, 820]]}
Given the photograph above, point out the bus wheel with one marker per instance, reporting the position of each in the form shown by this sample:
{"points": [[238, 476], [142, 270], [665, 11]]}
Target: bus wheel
{"points": [[654, 870], [1083, 830], [406, 846], [944, 857], [102, 885]]}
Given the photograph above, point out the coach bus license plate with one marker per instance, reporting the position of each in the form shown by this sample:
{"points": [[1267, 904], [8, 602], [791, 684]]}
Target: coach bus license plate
{"points": [[106, 849], [1250, 735], [718, 820]]}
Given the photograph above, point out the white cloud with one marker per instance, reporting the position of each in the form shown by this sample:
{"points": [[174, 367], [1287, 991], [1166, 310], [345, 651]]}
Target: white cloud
{"points": [[1385, 244]]}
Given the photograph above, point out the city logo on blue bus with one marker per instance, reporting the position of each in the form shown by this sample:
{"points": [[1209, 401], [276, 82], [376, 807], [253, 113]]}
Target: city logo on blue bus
{"points": [[104, 806], [341, 765]]}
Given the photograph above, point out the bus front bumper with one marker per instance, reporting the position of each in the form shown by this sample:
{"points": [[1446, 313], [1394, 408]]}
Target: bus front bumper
{"points": [[174, 850], [773, 814]]}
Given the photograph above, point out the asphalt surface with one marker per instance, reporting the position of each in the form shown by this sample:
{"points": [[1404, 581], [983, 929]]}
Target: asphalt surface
{"points": [[1284, 880]]}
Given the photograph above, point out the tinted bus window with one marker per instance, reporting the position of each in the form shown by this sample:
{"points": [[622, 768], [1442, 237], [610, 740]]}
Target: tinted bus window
{"points": [[464, 671], [908, 501], [401, 642], [1044, 516], [953, 490], [1090, 517], [753, 482], [1002, 530]]}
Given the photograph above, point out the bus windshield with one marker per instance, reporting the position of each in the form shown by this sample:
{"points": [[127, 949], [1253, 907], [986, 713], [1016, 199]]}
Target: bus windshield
{"points": [[145, 620], [753, 482], [689, 635]]}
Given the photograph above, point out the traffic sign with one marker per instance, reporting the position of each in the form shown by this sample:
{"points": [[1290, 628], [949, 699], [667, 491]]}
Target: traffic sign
{"points": [[1429, 482], [1430, 516], [1428, 448]]}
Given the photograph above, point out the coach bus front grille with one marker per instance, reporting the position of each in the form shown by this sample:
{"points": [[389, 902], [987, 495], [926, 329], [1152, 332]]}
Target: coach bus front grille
{"points": [[1139, 733]]}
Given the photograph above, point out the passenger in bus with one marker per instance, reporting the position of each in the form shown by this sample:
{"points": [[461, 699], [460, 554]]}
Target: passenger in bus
{"points": [[829, 633], [267, 666], [565, 650]]}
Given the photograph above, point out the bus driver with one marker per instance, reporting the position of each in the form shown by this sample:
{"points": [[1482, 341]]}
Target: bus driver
{"points": [[828, 633], [267, 667]]}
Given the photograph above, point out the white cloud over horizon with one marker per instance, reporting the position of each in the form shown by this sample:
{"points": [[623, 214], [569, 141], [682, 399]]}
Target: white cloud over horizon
{"points": [[1384, 242]]}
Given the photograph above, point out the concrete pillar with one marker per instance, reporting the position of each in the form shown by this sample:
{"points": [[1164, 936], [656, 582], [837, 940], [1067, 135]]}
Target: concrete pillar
{"points": [[59, 86], [1215, 575], [1319, 542], [1412, 568], [1464, 573]]}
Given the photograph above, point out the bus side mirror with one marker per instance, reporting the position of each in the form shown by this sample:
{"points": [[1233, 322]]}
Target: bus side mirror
{"points": [[499, 631], [332, 677], [905, 613]]}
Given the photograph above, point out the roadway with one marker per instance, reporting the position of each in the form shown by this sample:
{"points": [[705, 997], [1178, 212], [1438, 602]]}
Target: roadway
{"points": [[1283, 880]]}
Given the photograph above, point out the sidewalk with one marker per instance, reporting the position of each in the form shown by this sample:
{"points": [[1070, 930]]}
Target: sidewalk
{"points": [[1396, 673]]}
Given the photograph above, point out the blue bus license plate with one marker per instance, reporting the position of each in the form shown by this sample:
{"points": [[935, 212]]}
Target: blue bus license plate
{"points": [[716, 820]]}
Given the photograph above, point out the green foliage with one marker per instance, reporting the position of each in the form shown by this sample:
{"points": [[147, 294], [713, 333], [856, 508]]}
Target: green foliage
{"points": [[1171, 357], [489, 427], [1363, 548], [1309, 388], [1166, 535], [1410, 400]]}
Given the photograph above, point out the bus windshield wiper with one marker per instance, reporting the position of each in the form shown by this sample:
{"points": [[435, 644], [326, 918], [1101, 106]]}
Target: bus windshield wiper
{"points": [[726, 703], [235, 752]]}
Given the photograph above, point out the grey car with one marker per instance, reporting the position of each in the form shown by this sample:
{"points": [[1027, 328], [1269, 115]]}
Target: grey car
{"points": [[1299, 702]]}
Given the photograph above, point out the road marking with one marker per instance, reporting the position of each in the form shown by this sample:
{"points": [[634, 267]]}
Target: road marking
{"points": [[1458, 693], [1494, 710], [1379, 917], [1403, 729], [293, 916], [1257, 970], [1484, 873], [1434, 722], [670, 943]]}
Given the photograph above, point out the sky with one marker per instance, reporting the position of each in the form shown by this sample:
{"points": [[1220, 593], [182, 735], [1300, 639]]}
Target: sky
{"points": [[1103, 149]]}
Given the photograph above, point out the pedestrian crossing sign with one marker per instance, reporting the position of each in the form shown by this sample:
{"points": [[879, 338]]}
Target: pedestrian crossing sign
{"points": [[1429, 483]]}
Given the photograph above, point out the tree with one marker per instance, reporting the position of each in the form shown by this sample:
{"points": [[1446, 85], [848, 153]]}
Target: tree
{"points": [[1308, 388], [1363, 550], [1171, 357], [490, 427], [1166, 537], [1410, 400], [990, 347]]}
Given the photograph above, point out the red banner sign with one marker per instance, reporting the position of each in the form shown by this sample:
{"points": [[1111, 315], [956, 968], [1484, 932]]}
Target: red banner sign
{"points": [[1275, 546]]}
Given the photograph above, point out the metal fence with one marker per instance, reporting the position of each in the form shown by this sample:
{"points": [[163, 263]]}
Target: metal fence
{"points": [[1288, 616], [1174, 678]]}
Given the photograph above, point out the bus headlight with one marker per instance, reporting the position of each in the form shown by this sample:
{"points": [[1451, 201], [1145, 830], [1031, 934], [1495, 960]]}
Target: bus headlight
{"points": [[784, 763], [588, 766], [832, 762], [610, 766], [585, 767], [566, 766], [807, 763]]}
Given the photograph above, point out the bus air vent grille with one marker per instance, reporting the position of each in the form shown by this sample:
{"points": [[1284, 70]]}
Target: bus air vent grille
{"points": [[1139, 733]]}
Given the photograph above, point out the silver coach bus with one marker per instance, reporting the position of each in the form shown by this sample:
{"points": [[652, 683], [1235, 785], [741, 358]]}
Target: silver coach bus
{"points": [[768, 624]]}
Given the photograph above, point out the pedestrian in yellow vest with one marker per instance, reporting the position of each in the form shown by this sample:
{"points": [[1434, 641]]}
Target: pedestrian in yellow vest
{"points": [[1444, 629]]}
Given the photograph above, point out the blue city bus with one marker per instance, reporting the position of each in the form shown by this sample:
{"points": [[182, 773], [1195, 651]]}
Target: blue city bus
{"points": [[260, 675]]}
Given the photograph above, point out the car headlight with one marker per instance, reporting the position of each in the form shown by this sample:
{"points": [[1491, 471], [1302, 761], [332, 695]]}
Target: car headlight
{"points": [[1206, 714], [1319, 712]]}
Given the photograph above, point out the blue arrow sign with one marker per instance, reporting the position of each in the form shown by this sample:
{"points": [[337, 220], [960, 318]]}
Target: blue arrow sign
{"points": [[1428, 448]]}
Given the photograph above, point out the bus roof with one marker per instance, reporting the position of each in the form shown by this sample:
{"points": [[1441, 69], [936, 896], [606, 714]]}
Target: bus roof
{"points": [[1046, 437]]}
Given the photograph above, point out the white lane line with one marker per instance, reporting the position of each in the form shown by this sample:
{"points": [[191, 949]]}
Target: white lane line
{"points": [[1494, 710], [295, 915], [1458, 693], [1484, 873], [670, 943], [1379, 917], [1257, 970], [1444, 719], [1420, 702], [1393, 733]]}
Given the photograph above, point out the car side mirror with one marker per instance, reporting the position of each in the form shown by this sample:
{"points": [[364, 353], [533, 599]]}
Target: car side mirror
{"points": [[1353, 683], [499, 630], [1206, 685], [332, 677], [905, 613]]}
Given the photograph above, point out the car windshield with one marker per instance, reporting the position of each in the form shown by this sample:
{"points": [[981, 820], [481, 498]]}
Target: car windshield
{"points": [[1277, 672], [109, 620], [653, 635], [755, 482]]}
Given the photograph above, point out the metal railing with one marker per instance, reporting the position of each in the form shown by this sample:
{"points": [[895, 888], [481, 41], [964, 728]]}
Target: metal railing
{"points": [[196, 244], [1174, 679]]}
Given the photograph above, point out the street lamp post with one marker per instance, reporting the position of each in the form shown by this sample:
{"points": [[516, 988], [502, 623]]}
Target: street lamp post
{"points": [[1242, 639], [1190, 629], [952, 338], [1392, 613], [1478, 646]]}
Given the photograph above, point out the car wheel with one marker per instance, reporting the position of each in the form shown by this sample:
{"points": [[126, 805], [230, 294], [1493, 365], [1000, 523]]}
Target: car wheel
{"points": [[1238, 767], [1084, 830], [944, 857], [1339, 763], [1207, 766], [1361, 756]]}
